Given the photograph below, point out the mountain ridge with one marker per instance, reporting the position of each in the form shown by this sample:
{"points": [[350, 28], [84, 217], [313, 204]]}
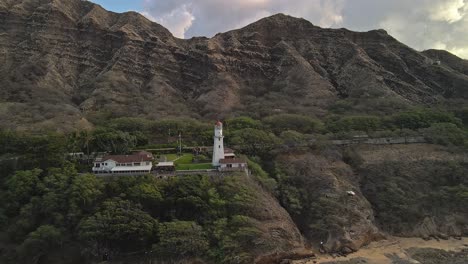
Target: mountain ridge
{"points": [[67, 60]]}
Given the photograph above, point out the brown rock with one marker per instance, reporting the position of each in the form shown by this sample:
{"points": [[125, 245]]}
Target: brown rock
{"points": [[62, 60]]}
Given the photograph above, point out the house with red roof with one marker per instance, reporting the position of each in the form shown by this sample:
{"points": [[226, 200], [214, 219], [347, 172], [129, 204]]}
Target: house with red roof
{"points": [[139, 163]]}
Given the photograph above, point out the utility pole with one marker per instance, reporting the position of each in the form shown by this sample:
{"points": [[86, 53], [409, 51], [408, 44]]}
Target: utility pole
{"points": [[180, 144]]}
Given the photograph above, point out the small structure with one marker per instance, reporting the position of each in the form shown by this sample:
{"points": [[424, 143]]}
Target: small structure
{"points": [[139, 163], [232, 165], [229, 153], [165, 166]]}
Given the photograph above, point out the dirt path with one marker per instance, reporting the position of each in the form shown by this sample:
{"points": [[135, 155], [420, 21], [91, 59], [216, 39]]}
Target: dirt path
{"points": [[382, 252]]}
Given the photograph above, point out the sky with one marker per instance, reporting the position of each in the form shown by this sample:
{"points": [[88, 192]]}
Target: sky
{"points": [[421, 24]]}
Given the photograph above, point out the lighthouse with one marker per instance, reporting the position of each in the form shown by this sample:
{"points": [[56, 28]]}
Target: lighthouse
{"points": [[218, 146]]}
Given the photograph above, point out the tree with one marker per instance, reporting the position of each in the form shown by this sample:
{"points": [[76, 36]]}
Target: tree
{"points": [[119, 225], [129, 124], [423, 118], [445, 134], [299, 123], [181, 239], [234, 238], [21, 187], [41, 241], [54, 190], [83, 193], [254, 141], [356, 123], [146, 192], [113, 141], [242, 123], [291, 137]]}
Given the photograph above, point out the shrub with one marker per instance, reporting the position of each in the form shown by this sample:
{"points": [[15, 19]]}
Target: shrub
{"points": [[357, 123], [299, 123], [445, 134], [181, 239]]}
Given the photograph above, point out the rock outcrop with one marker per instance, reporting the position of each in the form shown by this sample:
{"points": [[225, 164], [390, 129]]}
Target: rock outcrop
{"points": [[416, 190], [63, 61], [324, 198]]}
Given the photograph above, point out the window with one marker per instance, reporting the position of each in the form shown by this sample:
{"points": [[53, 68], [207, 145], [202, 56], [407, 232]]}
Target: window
{"points": [[219, 146], [229, 165], [137, 164], [97, 165]]}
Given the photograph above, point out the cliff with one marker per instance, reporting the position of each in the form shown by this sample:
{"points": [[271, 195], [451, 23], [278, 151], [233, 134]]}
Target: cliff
{"points": [[66, 61]]}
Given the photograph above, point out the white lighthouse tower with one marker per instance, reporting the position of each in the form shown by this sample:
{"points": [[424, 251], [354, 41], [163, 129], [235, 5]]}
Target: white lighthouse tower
{"points": [[218, 146]]}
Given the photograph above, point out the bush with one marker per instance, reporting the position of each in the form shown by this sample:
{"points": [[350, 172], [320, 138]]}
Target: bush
{"points": [[299, 123], [291, 138], [262, 176], [40, 241], [357, 123], [422, 119], [241, 123], [445, 134], [180, 239]]}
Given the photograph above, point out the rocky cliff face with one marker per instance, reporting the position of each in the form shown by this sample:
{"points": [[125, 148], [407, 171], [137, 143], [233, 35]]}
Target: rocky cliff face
{"points": [[64, 60]]}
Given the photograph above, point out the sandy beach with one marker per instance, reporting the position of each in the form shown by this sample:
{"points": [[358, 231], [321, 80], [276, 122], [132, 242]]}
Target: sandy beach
{"points": [[391, 251]]}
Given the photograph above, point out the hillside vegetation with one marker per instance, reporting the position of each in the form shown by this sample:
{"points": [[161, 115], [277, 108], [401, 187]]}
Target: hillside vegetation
{"points": [[299, 188]]}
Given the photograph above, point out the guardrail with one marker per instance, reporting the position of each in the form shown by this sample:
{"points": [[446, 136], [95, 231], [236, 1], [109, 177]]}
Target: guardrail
{"points": [[380, 141]]}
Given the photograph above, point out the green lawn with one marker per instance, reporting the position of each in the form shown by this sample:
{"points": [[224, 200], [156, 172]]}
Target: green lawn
{"points": [[195, 166], [185, 162], [185, 159], [170, 157]]}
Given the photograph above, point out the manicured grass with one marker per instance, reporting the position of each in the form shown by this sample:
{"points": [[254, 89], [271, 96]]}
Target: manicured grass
{"points": [[194, 166], [185, 159], [170, 157], [185, 162]]}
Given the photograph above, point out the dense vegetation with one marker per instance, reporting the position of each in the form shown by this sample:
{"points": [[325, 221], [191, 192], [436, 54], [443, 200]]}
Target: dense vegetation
{"points": [[49, 207], [48, 212], [410, 191]]}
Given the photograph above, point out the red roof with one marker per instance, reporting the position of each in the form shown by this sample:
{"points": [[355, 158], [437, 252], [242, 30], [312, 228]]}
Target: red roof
{"points": [[228, 150], [138, 157], [231, 161], [219, 123]]}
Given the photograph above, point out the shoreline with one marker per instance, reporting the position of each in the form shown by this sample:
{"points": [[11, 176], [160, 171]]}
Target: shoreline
{"points": [[386, 251]]}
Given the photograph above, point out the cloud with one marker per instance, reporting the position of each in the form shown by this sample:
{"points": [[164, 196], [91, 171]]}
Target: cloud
{"points": [[208, 17], [177, 19], [421, 24], [448, 11]]}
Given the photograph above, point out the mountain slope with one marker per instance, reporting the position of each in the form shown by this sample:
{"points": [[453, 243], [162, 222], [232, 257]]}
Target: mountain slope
{"points": [[67, 60]]}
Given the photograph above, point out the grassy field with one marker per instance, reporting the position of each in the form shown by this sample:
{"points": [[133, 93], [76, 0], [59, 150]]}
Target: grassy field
{"points": [[185, 162], [185, 159], [170, 157], [195, 166]]}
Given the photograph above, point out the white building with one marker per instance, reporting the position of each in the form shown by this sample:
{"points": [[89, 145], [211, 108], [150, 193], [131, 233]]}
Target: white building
{"points": [[232, 165], [218, 146], [140, 163], [225, 159]]}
